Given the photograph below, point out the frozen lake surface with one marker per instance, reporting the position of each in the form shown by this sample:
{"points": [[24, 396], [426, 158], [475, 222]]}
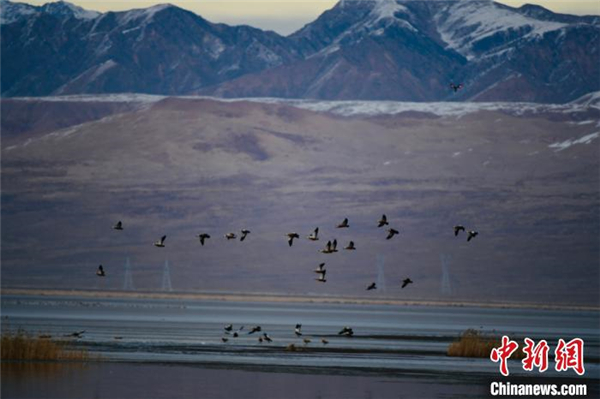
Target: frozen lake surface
{"points": [[402, 344]]}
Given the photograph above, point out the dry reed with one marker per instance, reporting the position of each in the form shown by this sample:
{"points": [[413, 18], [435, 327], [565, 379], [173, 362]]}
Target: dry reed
{"points": [[473, 343], [22, 346]]}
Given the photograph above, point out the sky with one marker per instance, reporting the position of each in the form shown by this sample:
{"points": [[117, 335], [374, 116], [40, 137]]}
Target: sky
{"points": [[286, 17]]}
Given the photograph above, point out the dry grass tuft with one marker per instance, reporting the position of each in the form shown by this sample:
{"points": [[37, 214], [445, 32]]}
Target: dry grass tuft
{"points": [[22, 346], [473, 343]]}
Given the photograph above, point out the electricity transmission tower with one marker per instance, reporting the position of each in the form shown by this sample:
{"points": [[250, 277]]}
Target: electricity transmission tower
{"points": [[128, 283], [446, 288], [381, 273], [166, 281]]}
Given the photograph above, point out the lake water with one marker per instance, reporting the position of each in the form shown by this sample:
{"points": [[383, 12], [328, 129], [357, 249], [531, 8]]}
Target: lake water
{"points": [[153, 346]]}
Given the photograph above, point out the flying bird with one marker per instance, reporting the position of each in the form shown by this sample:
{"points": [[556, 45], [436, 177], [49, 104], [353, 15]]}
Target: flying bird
{"points": [[228, 327], [458, 228], [76, 334], [260, 339], [224, 339], [344, 224], [327, 249], [230, 236], [291, 237], [334, 246], [472, 234], [371, 286], [314, 236], [406, 282], [203, 237], [118, 226], [321, 268], [298, 329], [456, 87], [160, 243], [267, 338], [244, 234], [324, 341], [383, 221], [391, 233], [100, 271], [350, 246], [321, 271], [255, 329], [346, 331], [236, 333]]}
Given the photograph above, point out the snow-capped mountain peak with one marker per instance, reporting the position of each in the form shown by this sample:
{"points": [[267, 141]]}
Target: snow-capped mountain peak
{"points": [[64, 8], [464, 24], [11, 11]]}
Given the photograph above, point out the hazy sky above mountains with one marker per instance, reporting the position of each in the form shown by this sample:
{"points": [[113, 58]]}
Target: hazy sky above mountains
{"points": [[286, 17]]}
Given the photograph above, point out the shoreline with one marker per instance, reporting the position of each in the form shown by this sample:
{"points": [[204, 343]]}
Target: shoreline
{"points": [[280, 298]]}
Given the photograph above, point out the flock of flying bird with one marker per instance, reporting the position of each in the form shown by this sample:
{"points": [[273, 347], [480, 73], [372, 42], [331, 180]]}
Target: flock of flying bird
{"points": [[330, 247]]}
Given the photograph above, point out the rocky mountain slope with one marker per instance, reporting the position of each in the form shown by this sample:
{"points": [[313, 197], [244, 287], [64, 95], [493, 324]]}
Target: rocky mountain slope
{"points": [[375, 50]]}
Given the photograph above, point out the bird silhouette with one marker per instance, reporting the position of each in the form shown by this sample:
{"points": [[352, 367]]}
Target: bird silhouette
{"points": [[314, 236], [391, 233], [298, 329], [228, 327], [327, 249], [472, 234], [324, 341], [230, 236], [244, 234], [382, 222], [344, 224], [346, 331], [255, 329], [321, 271], [458, 228], [350, 246], [456, 87], [406, 282], [334, 246], [224, 339], [118, 226], [267, 338], [160, 243], [320, 268], [100, 271], [291, 237], [371, 286], [306, 341], [203, 237]]}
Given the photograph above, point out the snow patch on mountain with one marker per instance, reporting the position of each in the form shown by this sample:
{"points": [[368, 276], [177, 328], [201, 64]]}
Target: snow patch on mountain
{"points": [[143, 15], [587, 139], [11, 12], [463, 23], [63, 8], [385, 9]]}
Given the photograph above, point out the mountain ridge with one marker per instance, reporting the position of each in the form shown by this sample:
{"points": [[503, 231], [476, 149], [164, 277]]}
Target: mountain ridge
{"points": [[364, 50]]}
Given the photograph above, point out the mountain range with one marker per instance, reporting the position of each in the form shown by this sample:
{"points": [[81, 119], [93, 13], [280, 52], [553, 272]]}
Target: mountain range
{"points": [[367, 50]]}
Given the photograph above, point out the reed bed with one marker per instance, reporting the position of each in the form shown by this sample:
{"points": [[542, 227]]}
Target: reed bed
{"points": [[23, 346], [473, 343]]}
